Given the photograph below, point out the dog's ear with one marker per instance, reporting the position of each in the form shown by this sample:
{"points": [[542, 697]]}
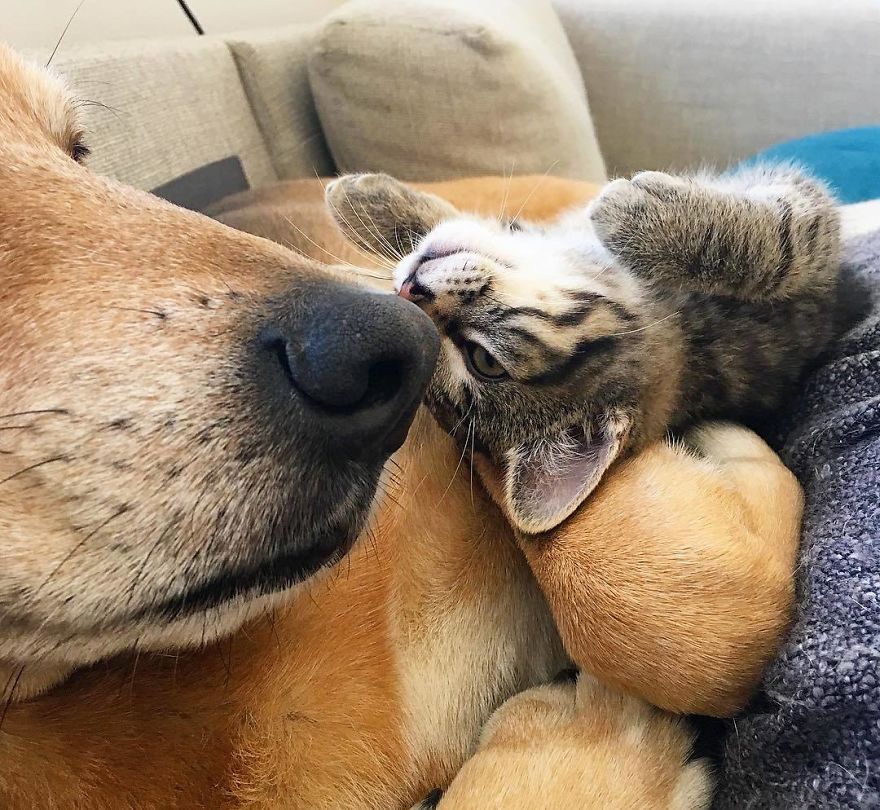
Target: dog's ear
{"points": [[383, 215], [546, 481]]}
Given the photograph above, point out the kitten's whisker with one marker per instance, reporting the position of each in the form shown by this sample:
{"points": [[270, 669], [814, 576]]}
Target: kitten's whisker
{"points": [[647, 326], [361, 271], [374, 230], [460, 460], [506, 196], [537, 185], [360, 244], [356, 241], [473, 446]]}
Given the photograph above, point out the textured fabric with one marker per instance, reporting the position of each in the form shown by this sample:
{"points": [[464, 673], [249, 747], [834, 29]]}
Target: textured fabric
{"points": [[848, 160], [433, 89], [680, 83], [861, 218], [813, 740], [273, 71], [155, 111]]}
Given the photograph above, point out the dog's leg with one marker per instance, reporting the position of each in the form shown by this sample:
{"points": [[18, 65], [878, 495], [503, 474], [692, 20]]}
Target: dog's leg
{"points": [[471, 627], [676, 582]]}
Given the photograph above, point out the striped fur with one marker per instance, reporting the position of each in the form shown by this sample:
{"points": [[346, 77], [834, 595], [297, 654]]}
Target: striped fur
{"points": [[668, 299]]}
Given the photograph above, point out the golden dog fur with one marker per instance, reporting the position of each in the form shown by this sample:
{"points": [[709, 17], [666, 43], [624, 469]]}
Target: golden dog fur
{"points": [[371, 685]]}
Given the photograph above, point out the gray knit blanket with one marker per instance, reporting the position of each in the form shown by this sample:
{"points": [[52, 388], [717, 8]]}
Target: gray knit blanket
{"points": [[812, 739]]}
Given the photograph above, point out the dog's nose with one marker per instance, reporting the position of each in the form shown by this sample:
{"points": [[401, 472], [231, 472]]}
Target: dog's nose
{"points": [[360, 362]]}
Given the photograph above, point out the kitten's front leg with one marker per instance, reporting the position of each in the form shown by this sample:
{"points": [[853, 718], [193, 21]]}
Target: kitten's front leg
{"points": [[760, 234]]}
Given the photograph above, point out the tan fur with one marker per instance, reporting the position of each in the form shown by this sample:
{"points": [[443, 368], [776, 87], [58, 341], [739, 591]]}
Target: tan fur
{"points": [[371, 686], [542, 746], [729, 591]]}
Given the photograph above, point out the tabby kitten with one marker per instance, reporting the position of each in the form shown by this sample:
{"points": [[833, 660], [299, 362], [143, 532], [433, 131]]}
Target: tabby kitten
{"points": [[666, 300]]}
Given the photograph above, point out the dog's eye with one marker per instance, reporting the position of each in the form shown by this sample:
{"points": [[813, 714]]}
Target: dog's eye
{"points": [[79, 151], [482, 364]]}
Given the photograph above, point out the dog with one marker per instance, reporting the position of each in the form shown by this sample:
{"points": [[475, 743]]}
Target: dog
{"points": [[175, 465]]}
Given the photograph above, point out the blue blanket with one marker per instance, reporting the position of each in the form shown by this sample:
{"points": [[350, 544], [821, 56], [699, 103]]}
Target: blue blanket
{"points": [[812, 740]]}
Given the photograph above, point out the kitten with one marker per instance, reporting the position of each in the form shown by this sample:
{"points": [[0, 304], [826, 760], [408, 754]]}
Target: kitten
{"points": [[566, 346]]}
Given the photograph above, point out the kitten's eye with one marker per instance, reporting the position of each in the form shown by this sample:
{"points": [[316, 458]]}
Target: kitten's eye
{"points": [[481, 363], [79, 151]]}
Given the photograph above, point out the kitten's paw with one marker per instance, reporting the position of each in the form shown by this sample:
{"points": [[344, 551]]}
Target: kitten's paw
{"points": [[383, 215], [613, 211], [629, 206], [659, 184], [642, 221], [356, 194]]}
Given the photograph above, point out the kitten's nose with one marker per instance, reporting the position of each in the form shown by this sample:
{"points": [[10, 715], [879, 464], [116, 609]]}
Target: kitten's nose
{"points": [[406, 290], [413, 291]]}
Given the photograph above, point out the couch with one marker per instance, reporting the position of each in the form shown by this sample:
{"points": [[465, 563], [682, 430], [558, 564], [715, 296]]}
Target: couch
{"points": [[429, 89]]}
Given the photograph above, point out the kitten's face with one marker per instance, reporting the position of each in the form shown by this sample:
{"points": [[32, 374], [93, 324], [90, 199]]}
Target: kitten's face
{"points": [[543, 357], [539, 366]]}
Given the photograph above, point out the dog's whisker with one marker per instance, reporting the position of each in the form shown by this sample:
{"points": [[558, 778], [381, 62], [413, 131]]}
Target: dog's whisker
{"points": [[64, 32], [37, 412], [154, 312], [361, 271], [117, 114], [11, 696], [134, 665], [117, 514], [145, 561], [32, 467]]}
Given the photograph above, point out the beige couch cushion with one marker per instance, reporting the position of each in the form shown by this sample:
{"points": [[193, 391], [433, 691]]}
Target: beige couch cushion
{"points": [[273, 71], [427, 90], [155, 111], [689, 82]]}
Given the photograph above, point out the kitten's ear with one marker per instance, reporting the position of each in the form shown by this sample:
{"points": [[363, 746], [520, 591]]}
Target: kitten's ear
{"points": [[546, 482], [382, 214]]}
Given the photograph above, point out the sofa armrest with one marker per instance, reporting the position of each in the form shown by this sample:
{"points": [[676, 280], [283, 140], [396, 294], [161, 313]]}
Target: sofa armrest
{"points": [[683, 83]]}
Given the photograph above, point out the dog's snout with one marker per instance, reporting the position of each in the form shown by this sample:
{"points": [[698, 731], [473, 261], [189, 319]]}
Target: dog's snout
{"points": [[360, 363]]}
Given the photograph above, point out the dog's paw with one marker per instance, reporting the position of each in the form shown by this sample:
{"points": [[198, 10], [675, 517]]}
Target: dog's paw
{"points": [[581, 744], [723, 442]]}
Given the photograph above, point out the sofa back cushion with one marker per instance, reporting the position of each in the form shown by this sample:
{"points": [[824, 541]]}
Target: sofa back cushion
{"points": [[684, 83], [158, 111], [428, 90], [273, 68]]}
